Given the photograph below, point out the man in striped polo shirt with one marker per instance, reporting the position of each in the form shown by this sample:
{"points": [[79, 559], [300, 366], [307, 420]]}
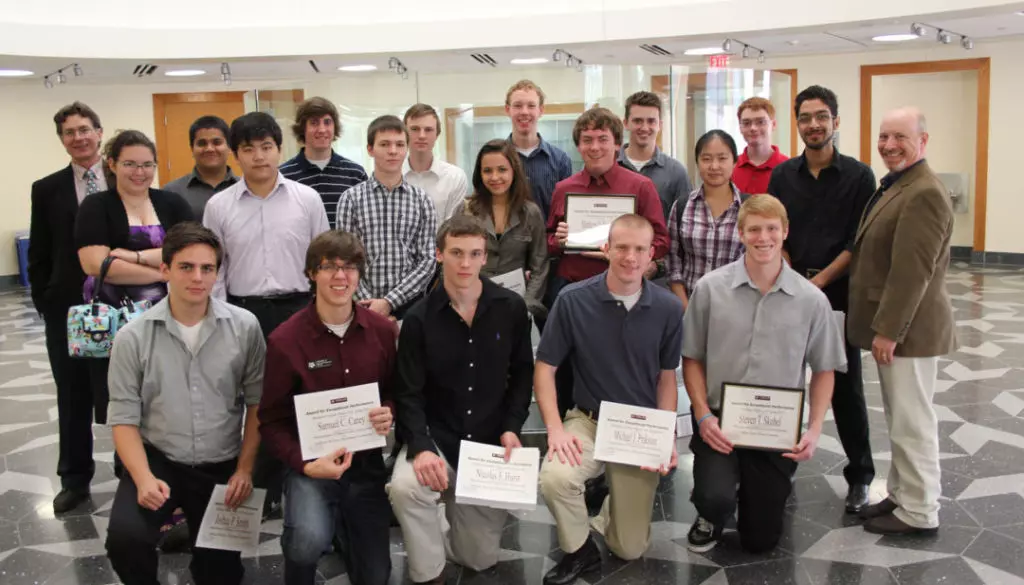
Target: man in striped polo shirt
{"points": [[317, 165]]}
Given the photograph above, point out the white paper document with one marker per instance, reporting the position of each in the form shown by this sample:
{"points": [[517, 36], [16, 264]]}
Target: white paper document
{"points": [[485, 479], [227, 529], [332, 419], [634, 435], [514, 281]]}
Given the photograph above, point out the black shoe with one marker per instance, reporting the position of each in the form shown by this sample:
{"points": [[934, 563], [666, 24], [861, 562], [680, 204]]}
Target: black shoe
{"points": [[856, 498], [572, 565], [703, 536], [883, 508], [67, 500], [595, 491]]}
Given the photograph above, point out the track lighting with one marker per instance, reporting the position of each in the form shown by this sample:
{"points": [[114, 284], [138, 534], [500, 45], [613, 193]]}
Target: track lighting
{"points": [[393, 63], [727, 46], [966, 43], [746, 51], [58, 77], [557, 55], [946, 37], [760, 57], [77, 69], [47, 83], [571, 60], [918, 29], [398, 67]]}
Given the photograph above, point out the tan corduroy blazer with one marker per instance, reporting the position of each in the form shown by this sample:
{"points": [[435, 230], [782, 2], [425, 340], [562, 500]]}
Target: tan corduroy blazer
{"points": [[898, 270]]}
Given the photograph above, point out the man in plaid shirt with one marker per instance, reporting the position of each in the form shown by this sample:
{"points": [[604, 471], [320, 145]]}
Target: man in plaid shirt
{"points": [[395, 221]]}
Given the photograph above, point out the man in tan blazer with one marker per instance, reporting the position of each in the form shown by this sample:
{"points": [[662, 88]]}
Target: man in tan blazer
{"points": [[899, 309]]}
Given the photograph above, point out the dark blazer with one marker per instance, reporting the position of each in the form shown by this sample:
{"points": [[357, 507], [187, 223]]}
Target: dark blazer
{"points": [[102, 220], [54, 272], [898, 269]]}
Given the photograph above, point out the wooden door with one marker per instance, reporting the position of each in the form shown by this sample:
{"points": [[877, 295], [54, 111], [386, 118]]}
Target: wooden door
{"points": [[174, 113]]}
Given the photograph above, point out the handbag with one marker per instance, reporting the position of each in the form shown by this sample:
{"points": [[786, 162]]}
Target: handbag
{"points": [[92, 326]]}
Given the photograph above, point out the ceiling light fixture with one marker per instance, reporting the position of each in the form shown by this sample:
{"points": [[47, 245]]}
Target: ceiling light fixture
{"points": [[77, 69], [47, 83], [917, 29], [357, 68], [184, 72], [59, 76], [727, 46], [15, 73], [398, 67], [528, 61], [966, 43], [760, 57], [745, 52], [703, 51], [557, 55], [561, 55], [895, 38], [944, 36], [225, 73]]}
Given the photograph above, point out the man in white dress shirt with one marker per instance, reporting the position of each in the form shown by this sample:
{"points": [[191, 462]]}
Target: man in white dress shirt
{"points": [[445, 183]]}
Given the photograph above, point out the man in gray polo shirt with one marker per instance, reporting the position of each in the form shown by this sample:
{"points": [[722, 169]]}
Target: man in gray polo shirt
{"points": [[754, 321], [183, 376], [622, 336], [208, 137]]}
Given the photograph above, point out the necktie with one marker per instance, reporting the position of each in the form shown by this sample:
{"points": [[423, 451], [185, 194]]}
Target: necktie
{"points": [[90, 183]]}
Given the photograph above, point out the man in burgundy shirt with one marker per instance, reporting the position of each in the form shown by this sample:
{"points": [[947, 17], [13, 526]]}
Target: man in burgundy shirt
{"points": [[333, 343], [754, 167]]}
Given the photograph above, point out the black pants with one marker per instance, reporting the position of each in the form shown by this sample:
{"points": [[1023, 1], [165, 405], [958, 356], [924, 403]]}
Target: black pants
{"points": [[134, 531], [764, 480], [268, 472], [75, 464], [851, 415]]}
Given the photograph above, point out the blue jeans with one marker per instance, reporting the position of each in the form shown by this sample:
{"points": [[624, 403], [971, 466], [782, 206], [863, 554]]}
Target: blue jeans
{"points": [[355, 506]]}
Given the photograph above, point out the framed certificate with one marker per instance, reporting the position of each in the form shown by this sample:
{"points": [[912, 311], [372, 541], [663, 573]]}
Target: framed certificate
{"points": [[766, 418], [589, 218]]}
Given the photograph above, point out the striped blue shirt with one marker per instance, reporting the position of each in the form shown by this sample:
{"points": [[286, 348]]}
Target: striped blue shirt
{"points": [[338, 176], [545, 166]]}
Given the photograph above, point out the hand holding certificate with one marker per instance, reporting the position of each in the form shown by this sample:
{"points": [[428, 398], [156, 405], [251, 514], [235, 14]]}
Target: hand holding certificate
{"points": [[332, 419], [235, 529], [762, 417], [514, 281], [634, 435], [486, 479], [589, 217]]}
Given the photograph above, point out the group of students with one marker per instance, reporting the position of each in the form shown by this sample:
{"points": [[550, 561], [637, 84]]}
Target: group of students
{"points": [[268, 286]]}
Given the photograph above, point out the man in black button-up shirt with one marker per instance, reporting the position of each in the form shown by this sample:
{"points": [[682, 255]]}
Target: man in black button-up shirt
{"points": [[465, 371], [825, 193]]}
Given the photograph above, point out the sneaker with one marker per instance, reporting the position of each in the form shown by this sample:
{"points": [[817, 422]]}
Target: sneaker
{"points": [[702, 536]]}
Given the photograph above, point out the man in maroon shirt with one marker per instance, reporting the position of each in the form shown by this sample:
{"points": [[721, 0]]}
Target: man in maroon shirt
{"points": [[333, 343], [754, 167]]}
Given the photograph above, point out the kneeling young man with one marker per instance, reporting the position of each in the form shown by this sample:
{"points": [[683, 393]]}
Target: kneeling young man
{"points": [[753, 321], [622, 336], [182, 378], [332, 343], [465, 364]]}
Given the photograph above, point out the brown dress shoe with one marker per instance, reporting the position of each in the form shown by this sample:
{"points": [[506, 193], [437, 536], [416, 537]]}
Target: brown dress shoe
{"points": [[890, 525], [883, 508]]}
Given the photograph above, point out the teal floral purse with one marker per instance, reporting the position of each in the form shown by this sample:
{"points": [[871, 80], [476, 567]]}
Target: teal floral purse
{"points": [[92, 326]]}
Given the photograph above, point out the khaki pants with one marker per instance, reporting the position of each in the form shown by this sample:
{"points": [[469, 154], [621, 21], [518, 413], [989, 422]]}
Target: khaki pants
{"points": [[625, 518], [435, 528], [908, 385]]}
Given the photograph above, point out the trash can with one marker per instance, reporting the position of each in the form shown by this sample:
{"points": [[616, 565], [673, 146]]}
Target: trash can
{"points": [[21, 244]]}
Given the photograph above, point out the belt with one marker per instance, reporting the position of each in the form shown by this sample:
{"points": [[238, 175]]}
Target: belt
{"points": [[281, 298], [591, 414]]}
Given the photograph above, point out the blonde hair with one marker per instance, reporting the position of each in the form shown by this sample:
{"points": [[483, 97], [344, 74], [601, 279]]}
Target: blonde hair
{"points": [[524, 85], [763, 205]]}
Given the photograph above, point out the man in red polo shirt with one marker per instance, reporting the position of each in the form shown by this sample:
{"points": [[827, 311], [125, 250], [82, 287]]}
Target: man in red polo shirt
{"points": [[754, 167]]}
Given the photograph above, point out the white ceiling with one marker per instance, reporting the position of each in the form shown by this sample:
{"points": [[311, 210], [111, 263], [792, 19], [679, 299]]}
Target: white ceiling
{"points": [[848, 37]]}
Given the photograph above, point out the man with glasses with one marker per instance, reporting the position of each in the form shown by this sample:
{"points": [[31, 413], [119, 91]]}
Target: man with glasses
{"points": [[825, 193], [208, 137], [55, 276], [754, 167]]}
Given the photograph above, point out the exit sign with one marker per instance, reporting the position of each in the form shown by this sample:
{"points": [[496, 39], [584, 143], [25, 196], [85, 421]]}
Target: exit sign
{"points": [[718, 61]]}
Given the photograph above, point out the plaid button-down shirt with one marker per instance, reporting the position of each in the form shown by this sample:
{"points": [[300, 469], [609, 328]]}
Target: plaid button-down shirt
{"points": [[397, 228], [701, 242]]}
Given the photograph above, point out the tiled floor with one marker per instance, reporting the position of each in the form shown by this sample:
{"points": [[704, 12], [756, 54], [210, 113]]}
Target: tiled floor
{"points": [[981, 541]]}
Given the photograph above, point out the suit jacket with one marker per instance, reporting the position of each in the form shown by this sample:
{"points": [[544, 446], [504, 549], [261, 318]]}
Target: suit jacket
{"points": [[898, 269], [54, 271]]}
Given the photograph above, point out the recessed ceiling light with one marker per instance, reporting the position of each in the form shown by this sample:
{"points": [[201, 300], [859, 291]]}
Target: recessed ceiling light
{"points": [[704, 51], [528, 61], [357, 68], [793, 42], [14, 73], [895, 38], [184, 72]]}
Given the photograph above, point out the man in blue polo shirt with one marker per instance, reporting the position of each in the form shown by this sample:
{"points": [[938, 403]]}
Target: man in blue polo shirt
{"points": [[316, 127], [622, 336]]}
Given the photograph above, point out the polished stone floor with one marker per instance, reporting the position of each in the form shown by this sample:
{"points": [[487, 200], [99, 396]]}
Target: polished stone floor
{"points": [[980, 402]]}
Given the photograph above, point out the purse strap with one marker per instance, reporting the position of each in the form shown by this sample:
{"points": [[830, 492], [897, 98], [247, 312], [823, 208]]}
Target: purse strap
{"points": [[104, 268]]}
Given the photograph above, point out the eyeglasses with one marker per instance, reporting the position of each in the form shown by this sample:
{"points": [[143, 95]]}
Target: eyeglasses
{"points": [[332, 269], [82, 131], [819, 117], [759, 122], [130, 166]]}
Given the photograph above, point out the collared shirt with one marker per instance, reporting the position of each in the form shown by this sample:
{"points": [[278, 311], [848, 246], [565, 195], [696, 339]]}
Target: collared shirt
{"points": [[197, 192], [457, 381], [742, 336], [617, 181], [397, 228], [700, 241], [265, 238], [522, 246], [617, 355], [445, 183], [304, 356], [668, 175], [545, 167], [188, 404], [753, 179], [340, 175], [884, 185], [82, 184], [824, 212]]}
